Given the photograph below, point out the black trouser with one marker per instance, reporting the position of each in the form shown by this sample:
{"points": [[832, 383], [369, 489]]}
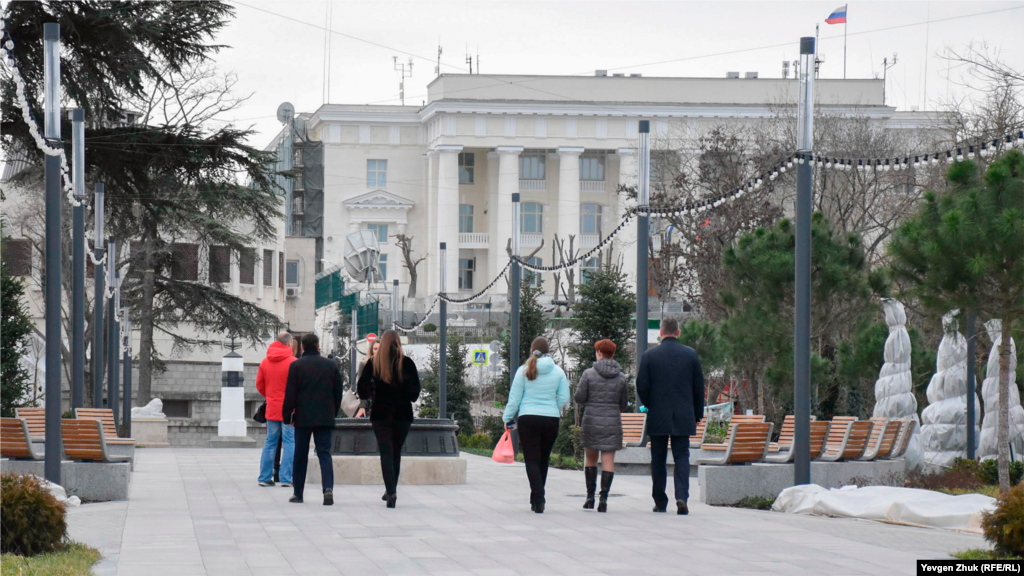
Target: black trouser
{"points": [[659, 456], [536, 439], [322, 438], [277, 462], [390, 440]]}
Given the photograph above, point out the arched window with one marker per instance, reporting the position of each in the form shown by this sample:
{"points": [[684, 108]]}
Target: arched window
{"points": [[532, 218], [590, 219]]}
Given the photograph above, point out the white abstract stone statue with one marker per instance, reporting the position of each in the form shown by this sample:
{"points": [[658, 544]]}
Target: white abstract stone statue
{"points": [[987, 447], [894, 389], [944, 420], [155, 409]]}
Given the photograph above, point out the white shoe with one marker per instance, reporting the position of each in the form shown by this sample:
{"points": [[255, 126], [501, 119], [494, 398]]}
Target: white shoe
{"points": [[286, 484]]}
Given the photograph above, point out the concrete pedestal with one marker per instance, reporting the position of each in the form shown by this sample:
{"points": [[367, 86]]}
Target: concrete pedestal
{"points": [[231, 428], [90, 481], [724, 485], [418, 470], [150, 432]]}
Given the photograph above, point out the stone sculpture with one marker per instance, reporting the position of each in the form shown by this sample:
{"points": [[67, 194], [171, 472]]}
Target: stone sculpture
{"points": [[155, 409]]}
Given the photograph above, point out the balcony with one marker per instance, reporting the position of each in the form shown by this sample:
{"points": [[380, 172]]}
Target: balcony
{"points": [[470, 240], [531, 240], [592, 186], [533, 185], [588, 241]]}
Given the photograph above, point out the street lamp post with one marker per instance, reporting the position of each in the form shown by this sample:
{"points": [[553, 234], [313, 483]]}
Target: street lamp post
{"points": [[643, 226], [78, 261], [442, 376], [97, 304]]}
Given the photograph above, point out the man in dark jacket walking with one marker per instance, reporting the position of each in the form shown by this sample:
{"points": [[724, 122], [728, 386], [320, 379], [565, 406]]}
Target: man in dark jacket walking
{"points": [[312, 399], [670, 383]]}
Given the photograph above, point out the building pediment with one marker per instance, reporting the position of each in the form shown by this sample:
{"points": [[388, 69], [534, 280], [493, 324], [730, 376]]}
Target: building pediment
{"points": [[379, 199]]}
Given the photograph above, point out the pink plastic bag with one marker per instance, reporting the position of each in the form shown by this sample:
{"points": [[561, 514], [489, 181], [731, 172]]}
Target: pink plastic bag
{"points": [[503, 452]]}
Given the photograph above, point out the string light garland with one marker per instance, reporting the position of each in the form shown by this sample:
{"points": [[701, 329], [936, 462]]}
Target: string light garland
{"points": [[423, 321], [982, 149]]}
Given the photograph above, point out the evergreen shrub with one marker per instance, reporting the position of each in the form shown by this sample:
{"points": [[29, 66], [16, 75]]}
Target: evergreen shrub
{"points": [[33, 518]]}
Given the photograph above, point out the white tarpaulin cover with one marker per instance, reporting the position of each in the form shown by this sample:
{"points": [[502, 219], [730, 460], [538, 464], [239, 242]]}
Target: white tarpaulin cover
{"points": [[894, 389], [905, 505], [944, 421], [987, 449]]}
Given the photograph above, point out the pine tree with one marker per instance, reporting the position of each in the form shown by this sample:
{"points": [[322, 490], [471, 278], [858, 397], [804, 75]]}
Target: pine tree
{"points": [[16, 326], [458, 392], [962, 249], [604, 311]]}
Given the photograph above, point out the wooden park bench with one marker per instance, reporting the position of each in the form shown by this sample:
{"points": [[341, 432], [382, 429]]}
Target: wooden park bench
{"points": [[85, 440], [786, 435], [746, 443], [16, 440], [819, 434], [903, 439], [698, 438], [736, 419], [847, 439], [36, 420], [883, 435], [633, 428], [105, 415]]}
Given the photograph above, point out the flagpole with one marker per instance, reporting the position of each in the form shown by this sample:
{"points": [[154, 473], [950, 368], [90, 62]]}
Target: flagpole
{"points": [[846, 9]]}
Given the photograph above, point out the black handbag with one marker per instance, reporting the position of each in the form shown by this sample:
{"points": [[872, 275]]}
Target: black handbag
{"points": [[261, 413]]}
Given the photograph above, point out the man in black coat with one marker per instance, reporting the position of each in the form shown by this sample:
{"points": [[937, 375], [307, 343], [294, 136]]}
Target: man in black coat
{"points": [[312, 398], [670, 383]]}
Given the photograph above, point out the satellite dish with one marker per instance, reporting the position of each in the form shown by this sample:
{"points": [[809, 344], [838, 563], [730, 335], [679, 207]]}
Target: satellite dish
{"points": [[285, 113], [361, 254]]}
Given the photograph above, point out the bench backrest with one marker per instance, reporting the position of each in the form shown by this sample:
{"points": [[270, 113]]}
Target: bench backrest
{"points": [[819, 434], [747, 419], [105, 415], [36, 420], [837, 432], [906, 432], [877, 430], [15, 439], [83, 439], [633, 427], [889, 435], [749, 441], [860, 432], [701, 425]]}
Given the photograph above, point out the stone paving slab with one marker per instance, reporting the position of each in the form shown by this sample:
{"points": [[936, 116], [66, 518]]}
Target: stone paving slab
{"points": [[200, 511]]}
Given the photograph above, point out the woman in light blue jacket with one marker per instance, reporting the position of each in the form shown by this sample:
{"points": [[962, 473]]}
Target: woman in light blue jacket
{"points": [[539, 392]]}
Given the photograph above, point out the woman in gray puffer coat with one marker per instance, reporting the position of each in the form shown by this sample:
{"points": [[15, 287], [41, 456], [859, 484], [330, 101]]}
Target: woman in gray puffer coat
{"points": [[602, 389]]}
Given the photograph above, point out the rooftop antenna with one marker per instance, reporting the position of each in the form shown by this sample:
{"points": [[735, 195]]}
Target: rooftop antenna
{"points": [[437, 69], [477, 58], [885, 68], [406, 71], [469, 60]]}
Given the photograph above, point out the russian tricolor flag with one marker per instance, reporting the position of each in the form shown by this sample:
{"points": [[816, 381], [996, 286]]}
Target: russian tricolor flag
{"points": [[838, 16]]}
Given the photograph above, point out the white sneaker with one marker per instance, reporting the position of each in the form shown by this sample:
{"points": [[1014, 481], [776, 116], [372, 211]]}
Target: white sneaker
{"points": [[286, 484], [267, 483]]}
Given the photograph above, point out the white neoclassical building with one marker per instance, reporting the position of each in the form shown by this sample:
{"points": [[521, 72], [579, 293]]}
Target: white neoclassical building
{"points": [[446, 171]]}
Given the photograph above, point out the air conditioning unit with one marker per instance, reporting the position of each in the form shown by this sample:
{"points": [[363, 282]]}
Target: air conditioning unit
{"points": [[292, 292]]}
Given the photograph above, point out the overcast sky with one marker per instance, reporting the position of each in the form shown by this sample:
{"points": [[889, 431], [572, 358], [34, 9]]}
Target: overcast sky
{"points": [[282, 57]]}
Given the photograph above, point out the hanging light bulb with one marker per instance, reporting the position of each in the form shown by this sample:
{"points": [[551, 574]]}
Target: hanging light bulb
{"points": [[789, 163], [886, 167], [860, 165], [959, 155], [970, 152], [949, 157], [935, 159]]}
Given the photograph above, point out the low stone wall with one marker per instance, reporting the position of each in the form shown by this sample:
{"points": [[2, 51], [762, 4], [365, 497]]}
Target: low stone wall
{"points": [[181, 432], [419, 470], [725, 485], [90, 481]]}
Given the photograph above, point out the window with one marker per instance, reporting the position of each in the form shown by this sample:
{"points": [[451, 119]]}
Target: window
{"points": [[465, 218], [247, 266], [592, 167], [381, 230], [377, 173], [185, 265], [220, 264], [467, 266], [590, 265], [177, 409], [382, 263], [280, 270], [268, 267], [532, 218], [18, 256], [529, 276], [590, 219], [292, 273], [531, 166], [466, 167], [665, 165]]}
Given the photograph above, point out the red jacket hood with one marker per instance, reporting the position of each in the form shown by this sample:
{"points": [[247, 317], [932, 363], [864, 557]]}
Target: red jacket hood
{"points": [[278, 352]]}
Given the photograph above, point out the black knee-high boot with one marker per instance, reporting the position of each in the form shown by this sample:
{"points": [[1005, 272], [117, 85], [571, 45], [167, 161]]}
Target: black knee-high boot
{"points": [[606, 484], [590, 473]]}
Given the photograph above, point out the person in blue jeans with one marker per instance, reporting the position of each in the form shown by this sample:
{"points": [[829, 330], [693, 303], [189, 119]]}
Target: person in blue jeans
{"points": [[271, 380], [539, 392]]}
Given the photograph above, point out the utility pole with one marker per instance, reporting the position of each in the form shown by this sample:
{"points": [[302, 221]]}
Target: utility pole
{"points": [[51, 104], [885, 73], [802, 317], [78, 261], [643, 224], [97, 304], [971, 440], [442, 346]]}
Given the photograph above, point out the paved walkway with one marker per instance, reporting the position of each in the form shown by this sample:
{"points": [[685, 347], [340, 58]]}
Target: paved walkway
{"points": [[200, 511]]}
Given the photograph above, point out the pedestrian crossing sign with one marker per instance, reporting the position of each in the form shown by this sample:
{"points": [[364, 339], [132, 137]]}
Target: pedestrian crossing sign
{"points": [[480, 357]]}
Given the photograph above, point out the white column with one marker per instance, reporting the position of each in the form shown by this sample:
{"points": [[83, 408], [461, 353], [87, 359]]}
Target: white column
{"points": [[448, 210], [235, 274], [508, 184], [495, 253], [568, 199], [431, 272], [626, 244]]}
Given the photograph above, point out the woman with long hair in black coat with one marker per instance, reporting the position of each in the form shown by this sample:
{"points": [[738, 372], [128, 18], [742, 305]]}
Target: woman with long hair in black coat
{"points": [[391, 383]]}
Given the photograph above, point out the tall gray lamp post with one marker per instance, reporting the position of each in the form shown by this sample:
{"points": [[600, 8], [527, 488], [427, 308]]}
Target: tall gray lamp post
{"points": [[78, 261]]}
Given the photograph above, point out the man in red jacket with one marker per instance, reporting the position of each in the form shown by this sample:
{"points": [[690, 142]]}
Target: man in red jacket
{"points": [[270, 382]]}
